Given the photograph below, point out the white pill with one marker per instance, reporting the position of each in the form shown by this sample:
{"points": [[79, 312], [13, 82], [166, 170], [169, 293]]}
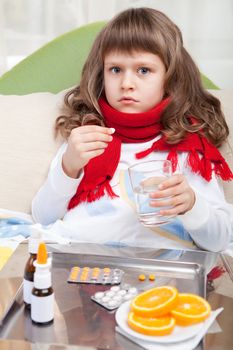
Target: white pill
{"points": [[117, 297], [133, 290], [115, 288], [110, 294], [105, 299], [99, 295], [122, 292], [112, 303]]}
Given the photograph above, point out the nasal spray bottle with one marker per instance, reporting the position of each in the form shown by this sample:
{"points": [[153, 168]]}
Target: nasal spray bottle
{"points": [[28, 280], [42, 298]]}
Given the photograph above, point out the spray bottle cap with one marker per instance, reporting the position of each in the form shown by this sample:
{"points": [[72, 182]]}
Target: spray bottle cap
{"points": [[42, 276], [42, 254], [34, 239]]}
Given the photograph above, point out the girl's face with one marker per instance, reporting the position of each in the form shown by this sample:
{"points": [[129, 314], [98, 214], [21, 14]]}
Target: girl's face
{"points": [[133, 83]]}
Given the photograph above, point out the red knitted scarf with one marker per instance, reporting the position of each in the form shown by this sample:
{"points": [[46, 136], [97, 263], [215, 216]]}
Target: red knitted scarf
{"points": [[203, 157]]}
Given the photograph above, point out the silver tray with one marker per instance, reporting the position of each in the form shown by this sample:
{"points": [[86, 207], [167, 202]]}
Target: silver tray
{"points": [[10, 288], [79, 320]]}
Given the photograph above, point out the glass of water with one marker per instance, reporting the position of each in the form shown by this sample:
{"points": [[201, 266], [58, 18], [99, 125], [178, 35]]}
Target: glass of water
{"points": [[145, 178]]}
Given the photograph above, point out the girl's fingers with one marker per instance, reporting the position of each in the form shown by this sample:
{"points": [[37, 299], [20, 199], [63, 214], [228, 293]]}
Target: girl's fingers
{"points": [[96, 136], [174, 196], [173, 211], [172, 187], [177, 204], [91, 146], [86, 129], [92, 154], [77, 137], [172, 181], [169, 202], [170, 192]]}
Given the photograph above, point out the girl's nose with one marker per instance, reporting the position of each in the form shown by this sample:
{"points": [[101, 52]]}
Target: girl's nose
{"points": [[127, 81]]}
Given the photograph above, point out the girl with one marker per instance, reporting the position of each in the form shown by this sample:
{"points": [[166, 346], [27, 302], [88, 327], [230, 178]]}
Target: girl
{"points": [[140, 97]]}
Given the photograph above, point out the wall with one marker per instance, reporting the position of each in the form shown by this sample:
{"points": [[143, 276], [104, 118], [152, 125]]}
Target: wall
{"points": [[207, 27]]}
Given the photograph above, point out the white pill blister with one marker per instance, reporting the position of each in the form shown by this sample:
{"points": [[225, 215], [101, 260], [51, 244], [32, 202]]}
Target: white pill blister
{"points": [[112, 298]]}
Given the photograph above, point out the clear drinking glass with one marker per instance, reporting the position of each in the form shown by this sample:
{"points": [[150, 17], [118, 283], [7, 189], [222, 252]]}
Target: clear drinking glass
{"points": [[145, 178]]}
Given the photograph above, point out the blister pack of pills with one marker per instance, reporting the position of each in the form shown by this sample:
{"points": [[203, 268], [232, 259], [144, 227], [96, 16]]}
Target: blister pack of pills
{"points": [[115, 296], [95, 275]]}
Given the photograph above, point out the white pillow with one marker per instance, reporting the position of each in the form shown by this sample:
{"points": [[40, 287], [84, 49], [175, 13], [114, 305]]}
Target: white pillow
{"points": [[27, 145]]}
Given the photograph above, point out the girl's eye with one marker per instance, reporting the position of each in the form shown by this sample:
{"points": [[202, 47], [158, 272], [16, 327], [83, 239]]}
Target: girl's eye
{"points": [[143, 70], [115, 70]]}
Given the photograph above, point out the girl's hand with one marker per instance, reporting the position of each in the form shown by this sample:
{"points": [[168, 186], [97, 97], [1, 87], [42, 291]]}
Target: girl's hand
{"points": [[175, 193], [84, 143]]}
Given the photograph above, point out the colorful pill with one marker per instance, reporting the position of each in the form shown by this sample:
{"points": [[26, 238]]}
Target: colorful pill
{"points": [[151, 277], [74, 274], [106, 270], [141, 277]]}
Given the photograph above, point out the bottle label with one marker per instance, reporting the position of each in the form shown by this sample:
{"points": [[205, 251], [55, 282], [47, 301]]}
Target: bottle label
{"points": [[27, 291], [42, 308]]}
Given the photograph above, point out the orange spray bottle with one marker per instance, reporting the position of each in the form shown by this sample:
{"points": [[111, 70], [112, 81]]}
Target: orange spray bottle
{"points": [[42, 298]]}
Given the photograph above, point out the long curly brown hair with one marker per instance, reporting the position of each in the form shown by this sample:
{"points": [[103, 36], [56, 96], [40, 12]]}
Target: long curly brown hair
{"points": [[146, 29]]}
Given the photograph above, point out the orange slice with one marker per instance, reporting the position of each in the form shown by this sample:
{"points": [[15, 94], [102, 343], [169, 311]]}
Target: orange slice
{"points": [[151, 326], [155, 302], [190, 309]]}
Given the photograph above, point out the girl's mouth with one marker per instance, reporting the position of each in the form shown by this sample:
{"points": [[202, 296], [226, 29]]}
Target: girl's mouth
{"points": [[127, 100]]}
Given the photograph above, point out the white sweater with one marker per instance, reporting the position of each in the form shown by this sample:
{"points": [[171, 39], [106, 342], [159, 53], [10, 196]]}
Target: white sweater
{"points": [[113, 221]]}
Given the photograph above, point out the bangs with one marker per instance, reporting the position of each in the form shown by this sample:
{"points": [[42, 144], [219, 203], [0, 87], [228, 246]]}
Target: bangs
{"points": [[135, 34]]}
